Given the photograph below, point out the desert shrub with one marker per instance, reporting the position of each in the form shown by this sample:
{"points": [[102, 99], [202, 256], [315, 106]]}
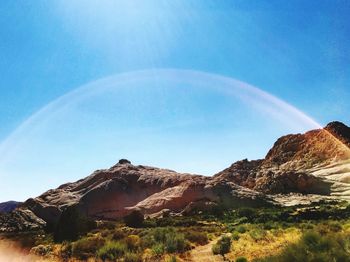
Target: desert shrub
{"points": [[197, 237], [241, 229], [185, 222], [315, 247], [171, 259], [149, 223], [112, 251], [246, 212], [306, 226], [176, 242], [118, 234], [147, 240], [176, 221], [71, 224], [133, 242], [241, 259], [269, 225], [87, 247], [335, 226], [266, 218], [235, 235], [222, 247], [160, 234], [257, 234], [158, 249], [134, 219], [132, 257], [171, 241]]}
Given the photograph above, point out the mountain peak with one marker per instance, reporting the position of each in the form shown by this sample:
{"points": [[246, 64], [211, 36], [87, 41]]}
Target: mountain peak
{"points": [[335, 125], [340, 131], [124, 161]]}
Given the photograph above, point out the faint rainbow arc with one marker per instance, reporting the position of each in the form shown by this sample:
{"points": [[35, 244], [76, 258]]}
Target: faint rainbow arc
{"points": [[251, 92]]}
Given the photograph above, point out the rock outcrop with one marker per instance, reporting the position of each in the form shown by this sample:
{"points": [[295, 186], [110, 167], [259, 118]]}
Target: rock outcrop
{"points": [[115, 192], [312, 163], [20, 220], [316, 162]]}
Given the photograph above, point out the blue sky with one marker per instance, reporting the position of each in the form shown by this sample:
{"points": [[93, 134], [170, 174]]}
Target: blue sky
{"points": [[295, 50]]}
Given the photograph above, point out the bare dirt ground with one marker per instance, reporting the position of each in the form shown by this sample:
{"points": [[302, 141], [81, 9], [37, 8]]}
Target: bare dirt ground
{"points": [[204, 253]]}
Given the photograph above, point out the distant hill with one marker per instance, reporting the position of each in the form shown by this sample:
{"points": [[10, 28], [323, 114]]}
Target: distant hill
{"points": [[8, 206]]}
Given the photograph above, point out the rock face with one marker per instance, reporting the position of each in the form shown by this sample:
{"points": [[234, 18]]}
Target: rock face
{"points": [[115, 192], [312, 163]]}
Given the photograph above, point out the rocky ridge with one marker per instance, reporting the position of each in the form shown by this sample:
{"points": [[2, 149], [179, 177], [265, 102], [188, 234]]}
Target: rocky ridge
{"points": [[297, 165], [316, 162]]}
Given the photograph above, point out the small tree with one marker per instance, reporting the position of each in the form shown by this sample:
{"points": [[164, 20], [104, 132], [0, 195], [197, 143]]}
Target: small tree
{"points": [[134, 219], [222, 247], [71, 224]]}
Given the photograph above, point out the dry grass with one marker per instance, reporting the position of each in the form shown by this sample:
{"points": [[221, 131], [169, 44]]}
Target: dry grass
{"points": [[270, 244]]}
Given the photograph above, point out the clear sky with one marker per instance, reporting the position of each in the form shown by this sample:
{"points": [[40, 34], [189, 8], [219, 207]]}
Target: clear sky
{"points": [[295, 50]]}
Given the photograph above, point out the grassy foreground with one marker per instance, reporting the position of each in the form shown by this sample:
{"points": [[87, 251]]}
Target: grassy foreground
{"points": [[312, 233]]}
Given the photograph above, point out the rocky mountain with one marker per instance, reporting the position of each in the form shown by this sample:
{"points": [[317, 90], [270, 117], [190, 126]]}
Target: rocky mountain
{"points": [[312, 163], [8, 206], [115, 192], [316, 162]]}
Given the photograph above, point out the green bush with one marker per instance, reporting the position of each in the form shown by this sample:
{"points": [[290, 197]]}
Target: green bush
{"points": [[166, 239], [269, 225], [147, 240], [241, 229], [112, 251], [176, 242], [223, 246], [87, 247], [158, 249], [235, 236], [160, 234]]}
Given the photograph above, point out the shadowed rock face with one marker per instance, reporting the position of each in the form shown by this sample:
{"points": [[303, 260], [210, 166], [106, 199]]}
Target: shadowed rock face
{"points": [[310, 163]]}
